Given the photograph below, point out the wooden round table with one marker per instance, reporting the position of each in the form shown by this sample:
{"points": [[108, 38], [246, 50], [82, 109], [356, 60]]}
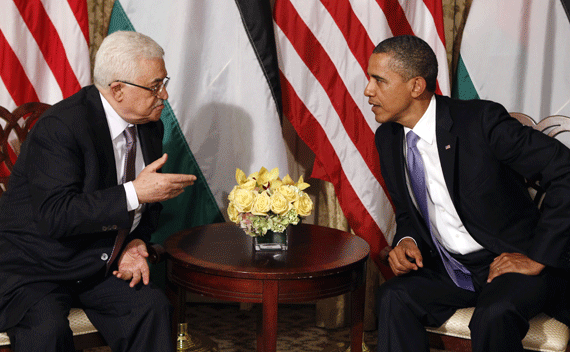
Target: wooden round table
{"points": [[219, 261]]}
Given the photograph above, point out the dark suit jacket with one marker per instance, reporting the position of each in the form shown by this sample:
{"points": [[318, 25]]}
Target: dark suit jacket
{"points": [[60, 215], [485, 154]]}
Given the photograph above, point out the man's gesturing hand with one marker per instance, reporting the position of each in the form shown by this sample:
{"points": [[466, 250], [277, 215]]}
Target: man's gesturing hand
{"points": [[152, 186], [405, 257]]}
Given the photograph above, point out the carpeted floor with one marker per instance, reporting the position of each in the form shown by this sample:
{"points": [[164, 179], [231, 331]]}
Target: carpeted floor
{"points": [[233, 329]]}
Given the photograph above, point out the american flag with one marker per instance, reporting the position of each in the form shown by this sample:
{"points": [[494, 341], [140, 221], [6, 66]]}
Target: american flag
{"points": [[323, 51], [44, 51]]}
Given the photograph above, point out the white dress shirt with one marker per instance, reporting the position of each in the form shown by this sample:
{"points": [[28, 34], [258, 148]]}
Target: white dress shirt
{"points": [[116, 127], [445, 223]]}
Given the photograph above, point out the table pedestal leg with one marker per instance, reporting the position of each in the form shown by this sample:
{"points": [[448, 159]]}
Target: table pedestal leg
{"points": [[357, 328], [174, 293], [180, 315], [267, 326], [177, 297]]}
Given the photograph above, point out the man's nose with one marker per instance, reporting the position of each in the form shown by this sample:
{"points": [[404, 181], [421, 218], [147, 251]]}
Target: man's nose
{"points": [[163, 94], [367, 90]]}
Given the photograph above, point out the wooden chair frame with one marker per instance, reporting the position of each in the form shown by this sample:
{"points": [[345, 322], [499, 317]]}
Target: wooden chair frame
{"points": [[15, 124]]}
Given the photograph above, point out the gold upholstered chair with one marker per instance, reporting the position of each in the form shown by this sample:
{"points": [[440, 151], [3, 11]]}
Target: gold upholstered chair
{"points": [[545, 333]]}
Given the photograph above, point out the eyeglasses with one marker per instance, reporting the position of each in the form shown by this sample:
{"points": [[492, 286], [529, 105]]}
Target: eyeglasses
{"points": [[156, 90]]}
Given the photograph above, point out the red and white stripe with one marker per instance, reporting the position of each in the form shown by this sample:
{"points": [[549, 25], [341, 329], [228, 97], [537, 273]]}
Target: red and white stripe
{"points": [[44, 50], [323, 48]]}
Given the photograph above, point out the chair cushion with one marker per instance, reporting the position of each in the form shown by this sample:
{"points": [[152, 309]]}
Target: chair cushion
{"points": [[545, 333], [78, 321], [80, 324], [4, 340]]}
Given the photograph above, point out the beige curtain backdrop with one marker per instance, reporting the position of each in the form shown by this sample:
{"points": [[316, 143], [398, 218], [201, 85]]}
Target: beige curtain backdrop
{"points": [[332, 312]]}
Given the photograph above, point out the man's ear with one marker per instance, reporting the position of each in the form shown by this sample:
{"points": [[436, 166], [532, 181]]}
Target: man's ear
{"points": [[116, 89], [419, 86]]}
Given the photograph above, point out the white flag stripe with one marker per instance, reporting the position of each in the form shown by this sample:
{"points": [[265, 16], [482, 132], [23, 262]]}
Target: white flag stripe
{"points": [[6, 98], [565, 107], [28, 52], [71, 36], [425, 26], [334, 44], [355, 168], [373, 19]]}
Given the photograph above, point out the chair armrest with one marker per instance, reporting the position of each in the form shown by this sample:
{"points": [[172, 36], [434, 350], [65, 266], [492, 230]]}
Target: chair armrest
{"points": [[156, 253]]}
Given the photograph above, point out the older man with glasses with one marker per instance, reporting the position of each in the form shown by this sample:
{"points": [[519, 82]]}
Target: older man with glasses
{"points": [[82, 202]]}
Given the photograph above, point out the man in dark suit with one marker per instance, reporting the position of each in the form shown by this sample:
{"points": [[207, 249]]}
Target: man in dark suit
{"points": [[468, 233], [73, 197]]}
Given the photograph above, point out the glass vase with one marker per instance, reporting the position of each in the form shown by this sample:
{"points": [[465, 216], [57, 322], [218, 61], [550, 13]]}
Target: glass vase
{"points": [[272, 241]]}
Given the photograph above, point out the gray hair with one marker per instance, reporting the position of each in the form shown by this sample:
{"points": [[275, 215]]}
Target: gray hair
{"points": [[119, 55]]}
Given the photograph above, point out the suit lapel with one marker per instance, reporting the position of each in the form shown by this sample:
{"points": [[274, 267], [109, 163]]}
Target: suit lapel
{"points": [[101, 134], [401, 160], [446, 144]]}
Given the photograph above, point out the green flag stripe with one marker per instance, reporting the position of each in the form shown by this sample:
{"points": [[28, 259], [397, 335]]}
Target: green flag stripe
{"points": [[197, 205], [463, 87], [119, 20]]}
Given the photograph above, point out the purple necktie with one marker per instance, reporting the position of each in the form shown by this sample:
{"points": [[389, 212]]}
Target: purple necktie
{"points": [[457, 271], [130, 134]]}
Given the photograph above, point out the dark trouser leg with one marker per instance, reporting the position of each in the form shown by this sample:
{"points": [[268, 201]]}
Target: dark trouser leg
{"points": [[407, 303], [504, 307], [45, 326], [130, 319]]}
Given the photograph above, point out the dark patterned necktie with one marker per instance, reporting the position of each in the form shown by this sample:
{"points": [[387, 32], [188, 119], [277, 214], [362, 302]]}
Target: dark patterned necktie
{"points": [[457, 271], [130, 134]]}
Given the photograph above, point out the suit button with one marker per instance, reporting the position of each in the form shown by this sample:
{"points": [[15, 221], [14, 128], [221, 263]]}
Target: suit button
{"points": [[105, 228], [104, 256], [114, 227]]}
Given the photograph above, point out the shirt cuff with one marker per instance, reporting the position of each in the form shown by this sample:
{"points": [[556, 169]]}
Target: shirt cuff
{"points": [[403, 238], [132, 198]]}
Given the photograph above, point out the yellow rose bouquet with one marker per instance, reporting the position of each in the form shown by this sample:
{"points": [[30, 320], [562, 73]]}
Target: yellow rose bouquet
{"points": [[262, 202]]}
